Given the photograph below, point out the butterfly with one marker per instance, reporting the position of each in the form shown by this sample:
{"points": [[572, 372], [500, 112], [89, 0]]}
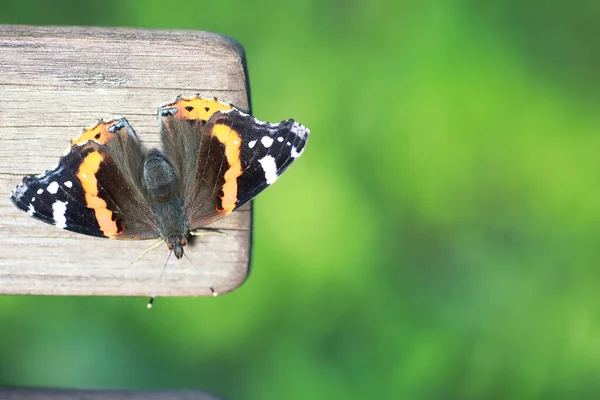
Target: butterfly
{"points": [[214, 159]]}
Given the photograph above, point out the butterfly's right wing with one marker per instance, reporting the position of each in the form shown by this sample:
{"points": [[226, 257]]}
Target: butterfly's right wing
{"points": [[225, 157]]}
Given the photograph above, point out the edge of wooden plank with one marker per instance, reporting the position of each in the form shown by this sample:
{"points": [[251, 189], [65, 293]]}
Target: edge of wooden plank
{"points": [[40, 31]]}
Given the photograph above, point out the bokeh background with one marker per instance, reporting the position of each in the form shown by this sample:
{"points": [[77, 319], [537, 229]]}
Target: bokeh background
{"points": [[438, 239]]}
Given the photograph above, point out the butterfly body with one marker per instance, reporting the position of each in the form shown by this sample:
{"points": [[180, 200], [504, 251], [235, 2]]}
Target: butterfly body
{"points": [[214, 159], [163, 194]]}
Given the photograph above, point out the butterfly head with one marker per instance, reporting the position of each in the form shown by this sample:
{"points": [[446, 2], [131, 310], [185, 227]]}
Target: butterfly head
{"points": [[175, 242]]}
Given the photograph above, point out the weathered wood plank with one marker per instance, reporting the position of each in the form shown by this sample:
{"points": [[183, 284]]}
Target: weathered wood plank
{"points": [[78, 394], [54, 81]]}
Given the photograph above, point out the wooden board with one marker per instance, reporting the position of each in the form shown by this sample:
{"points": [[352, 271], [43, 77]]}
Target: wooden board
{"points": [[54, 81]]}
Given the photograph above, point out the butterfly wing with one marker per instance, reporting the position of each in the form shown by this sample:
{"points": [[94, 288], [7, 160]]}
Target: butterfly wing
{"points": [[182, 124], [226, 157], [95, 187]]}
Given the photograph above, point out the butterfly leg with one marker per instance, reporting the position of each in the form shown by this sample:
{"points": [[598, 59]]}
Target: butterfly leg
{"points": [[149, 249], [207, 232]]}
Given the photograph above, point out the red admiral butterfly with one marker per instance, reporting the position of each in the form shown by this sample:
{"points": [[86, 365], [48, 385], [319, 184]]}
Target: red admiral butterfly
{"points": [[215, 159]]}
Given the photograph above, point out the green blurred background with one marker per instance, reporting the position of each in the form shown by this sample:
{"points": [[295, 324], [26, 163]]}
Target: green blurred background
{"points": [[437, 240]]}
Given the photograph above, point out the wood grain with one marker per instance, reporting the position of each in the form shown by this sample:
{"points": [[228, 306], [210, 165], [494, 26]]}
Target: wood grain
{"points": [[78, 394], [54, 81]]}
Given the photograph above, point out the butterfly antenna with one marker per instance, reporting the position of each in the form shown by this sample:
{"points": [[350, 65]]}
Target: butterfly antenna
{"points": [[151, 301], [213, 291]]}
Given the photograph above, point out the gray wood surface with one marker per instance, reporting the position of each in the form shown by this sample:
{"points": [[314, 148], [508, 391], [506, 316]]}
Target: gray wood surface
{"points": [[78, 394], [54, 81]]}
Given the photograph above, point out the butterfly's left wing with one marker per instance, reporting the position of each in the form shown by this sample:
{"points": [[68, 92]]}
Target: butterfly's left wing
{"points": [[230, 156], [95, 187]]}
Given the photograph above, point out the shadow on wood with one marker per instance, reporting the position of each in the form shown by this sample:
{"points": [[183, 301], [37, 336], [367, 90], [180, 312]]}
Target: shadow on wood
{"points": [[78, 394]]}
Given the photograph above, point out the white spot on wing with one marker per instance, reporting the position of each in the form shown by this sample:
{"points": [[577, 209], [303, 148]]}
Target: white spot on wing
{"points": [[31, 210], [280, 139], [300, 130], [251, 144], [295, 153], [59, 208], [33, 199], [40, 191], [266, 141], [84, 176], [18, 191], [52, 187], [270, 167], [69, 184]]}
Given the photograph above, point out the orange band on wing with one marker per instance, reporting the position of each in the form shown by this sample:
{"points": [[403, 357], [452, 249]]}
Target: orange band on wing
{"points": [[198, 108], [87, 176], [232, 142], [98, 133]]}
